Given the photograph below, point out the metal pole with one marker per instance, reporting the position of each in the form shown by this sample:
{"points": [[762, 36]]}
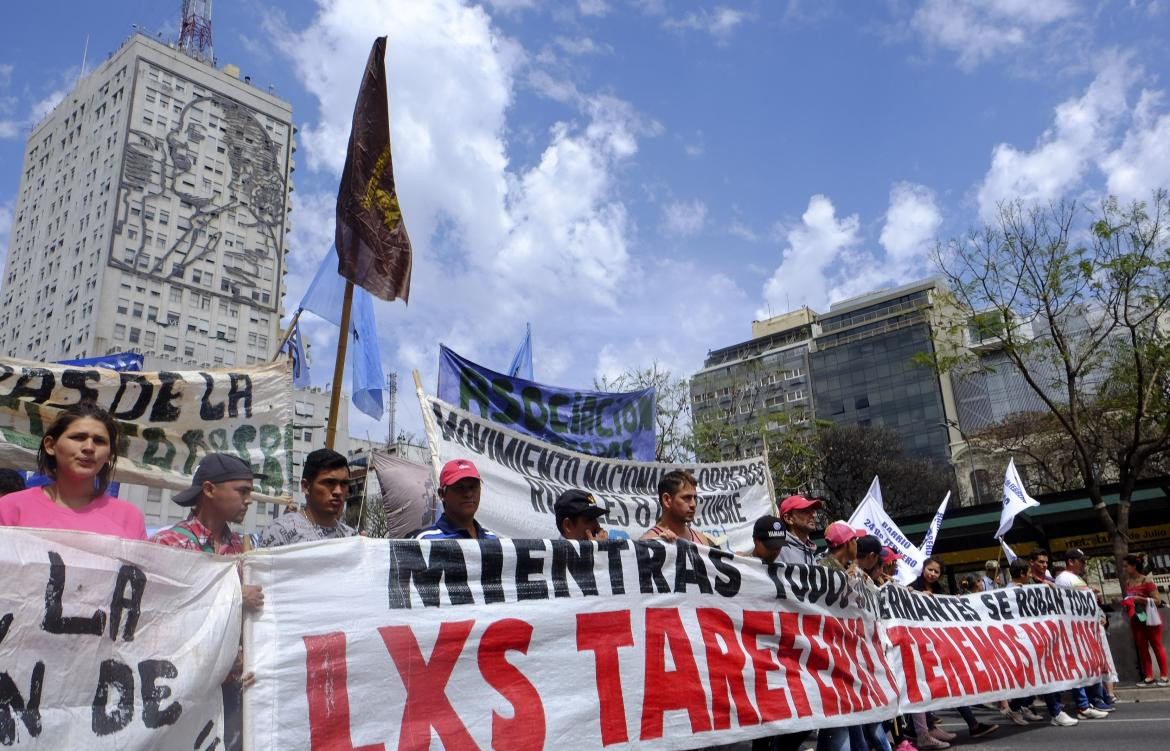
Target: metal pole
{"points": [[339, 368]]}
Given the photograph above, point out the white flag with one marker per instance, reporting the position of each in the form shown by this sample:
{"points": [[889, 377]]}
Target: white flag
{"points": [[1011, 554], [874, 492], [872, 517], [935, 524], [1015, 498]]}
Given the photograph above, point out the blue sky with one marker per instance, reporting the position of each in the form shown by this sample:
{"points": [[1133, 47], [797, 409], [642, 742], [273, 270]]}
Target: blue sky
{"points": [[642, 178]]}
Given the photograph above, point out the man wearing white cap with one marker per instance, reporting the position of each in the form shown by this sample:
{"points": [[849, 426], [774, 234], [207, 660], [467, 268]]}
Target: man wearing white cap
{"points": [[459, 487]]}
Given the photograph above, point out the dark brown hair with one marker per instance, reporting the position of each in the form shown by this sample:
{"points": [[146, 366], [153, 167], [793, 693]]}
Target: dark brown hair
{"points": [[47, 463], [673, 481], [1135, 561]]}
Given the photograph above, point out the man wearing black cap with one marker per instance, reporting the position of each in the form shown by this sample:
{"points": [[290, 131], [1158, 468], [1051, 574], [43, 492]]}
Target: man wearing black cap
{"points": [[767, 538], [577, 516]]}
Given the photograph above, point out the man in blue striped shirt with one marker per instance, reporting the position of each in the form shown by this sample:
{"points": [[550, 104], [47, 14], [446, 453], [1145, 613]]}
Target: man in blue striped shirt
{"points": [[459, 488]]}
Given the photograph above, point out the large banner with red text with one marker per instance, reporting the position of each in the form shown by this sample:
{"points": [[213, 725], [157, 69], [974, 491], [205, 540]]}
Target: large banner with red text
{"points": [[373, 645]]}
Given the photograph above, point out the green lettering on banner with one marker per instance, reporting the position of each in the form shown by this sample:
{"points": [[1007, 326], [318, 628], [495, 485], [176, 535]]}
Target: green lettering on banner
{"points": [[512, 412], [601, 429], [242, 438], [36, 426], [126, 431], [646, 404], [473, 387], [194, 441], [271, 440], [218, 440], [554, 419], [156, 437], [532, 421]]}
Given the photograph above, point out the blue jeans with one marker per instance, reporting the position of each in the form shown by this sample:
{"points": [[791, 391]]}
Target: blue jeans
{"points": [[833, 739], [1052, 701], [875, 736]]}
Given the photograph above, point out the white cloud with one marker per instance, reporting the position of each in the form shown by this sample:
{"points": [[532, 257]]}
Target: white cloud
{"points": [[1078, 140], [811, 259], [981, 30], [738, 229], [593, 7], [684, 218], [1141, 164], [912, 223], [720, 23], [495, 244]]}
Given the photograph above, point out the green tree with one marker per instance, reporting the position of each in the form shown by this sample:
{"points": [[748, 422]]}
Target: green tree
{"points": [[848, 458], [1078, 300]]}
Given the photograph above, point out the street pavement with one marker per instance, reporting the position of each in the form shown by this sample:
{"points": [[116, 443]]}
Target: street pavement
{"points": [[1142, 721], [1135, 725]]}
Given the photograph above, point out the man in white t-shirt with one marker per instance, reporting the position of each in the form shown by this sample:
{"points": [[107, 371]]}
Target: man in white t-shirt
{"points": [[1090, 703]]}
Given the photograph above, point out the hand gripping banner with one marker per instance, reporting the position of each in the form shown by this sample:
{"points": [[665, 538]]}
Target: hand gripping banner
{"points": [[378, 645], [112, 644]]}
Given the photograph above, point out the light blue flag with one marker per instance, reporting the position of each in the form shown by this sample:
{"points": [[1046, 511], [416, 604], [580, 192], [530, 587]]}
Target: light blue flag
{"points": [[327, 292], [364, 359], [521, 366], [325, 297]]}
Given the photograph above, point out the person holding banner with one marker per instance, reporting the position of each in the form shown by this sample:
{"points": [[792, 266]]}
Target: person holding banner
{"points": [[78, 451], [577, 515], [459, 488], [928, 583], [678, 494], [799, 515], [325, 483], [220, 492]]}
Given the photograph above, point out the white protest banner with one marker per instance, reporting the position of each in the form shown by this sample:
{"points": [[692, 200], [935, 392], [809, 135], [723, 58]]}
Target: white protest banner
{"points": [[168, 420], [870, 515], [927, 546], [979, 648], [112, 644], [379, 645], [1015, 498], [522, 478]]}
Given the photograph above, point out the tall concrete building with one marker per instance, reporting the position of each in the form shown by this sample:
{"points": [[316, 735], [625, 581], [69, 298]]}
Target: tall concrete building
{"points": [[152, 215], [754, 387]]}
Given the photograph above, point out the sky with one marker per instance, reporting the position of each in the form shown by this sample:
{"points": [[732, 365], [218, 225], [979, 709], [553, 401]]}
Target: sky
{"points": [[641, 179]]}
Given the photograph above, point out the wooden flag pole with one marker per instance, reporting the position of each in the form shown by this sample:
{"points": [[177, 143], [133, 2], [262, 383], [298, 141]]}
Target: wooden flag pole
{"points": [[339, 368], [288, 332]]}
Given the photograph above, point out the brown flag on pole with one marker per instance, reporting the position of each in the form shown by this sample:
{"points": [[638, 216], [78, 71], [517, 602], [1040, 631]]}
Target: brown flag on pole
{"points": [[373, 249]]}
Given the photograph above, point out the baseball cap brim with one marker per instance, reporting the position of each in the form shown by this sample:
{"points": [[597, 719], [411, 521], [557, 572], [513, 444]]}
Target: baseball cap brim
{"points": [[189, 496]]}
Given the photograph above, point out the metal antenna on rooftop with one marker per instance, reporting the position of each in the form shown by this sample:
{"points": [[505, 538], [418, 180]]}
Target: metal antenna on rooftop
{"points": [[195, 31], [392, 398]]}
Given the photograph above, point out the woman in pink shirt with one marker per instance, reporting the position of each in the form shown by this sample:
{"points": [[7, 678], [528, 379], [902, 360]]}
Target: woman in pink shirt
{"points": [[78, 451]]}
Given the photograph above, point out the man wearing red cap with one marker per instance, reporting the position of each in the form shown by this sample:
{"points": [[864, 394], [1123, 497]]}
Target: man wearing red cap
{"points": [[459, 487], [799, 515], [842, 540]]}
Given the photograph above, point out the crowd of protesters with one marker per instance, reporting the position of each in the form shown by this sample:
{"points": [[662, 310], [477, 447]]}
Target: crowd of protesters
{"points": [[78, 453]]}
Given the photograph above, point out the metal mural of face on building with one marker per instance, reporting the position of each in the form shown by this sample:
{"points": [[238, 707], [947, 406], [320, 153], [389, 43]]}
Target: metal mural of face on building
{"points": [[227, 173]]}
